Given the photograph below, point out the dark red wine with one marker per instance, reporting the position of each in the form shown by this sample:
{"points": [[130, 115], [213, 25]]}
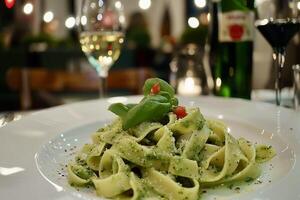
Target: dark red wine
{"points": [[278, 32]]}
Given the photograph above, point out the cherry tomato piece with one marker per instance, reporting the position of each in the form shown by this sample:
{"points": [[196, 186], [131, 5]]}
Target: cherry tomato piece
{"points": [[180, 112], [155, 88]]}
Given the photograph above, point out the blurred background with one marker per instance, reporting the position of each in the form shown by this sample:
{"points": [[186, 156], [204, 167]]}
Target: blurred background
{"points": [[42, 65]]}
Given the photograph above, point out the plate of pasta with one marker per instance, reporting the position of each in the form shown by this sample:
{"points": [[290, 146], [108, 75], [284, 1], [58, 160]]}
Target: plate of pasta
{"points": [[160, 146]]}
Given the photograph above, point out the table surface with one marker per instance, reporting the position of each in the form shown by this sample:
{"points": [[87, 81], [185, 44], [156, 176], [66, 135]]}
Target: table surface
{"points": [[256, 95]]}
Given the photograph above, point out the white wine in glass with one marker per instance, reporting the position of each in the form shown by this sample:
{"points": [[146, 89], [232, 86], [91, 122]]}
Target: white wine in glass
{"points": [[101, 34], [102, 49]]}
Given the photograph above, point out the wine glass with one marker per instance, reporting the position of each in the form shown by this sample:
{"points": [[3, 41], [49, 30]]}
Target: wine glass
{"points": [[278, 22], [101, 32]]}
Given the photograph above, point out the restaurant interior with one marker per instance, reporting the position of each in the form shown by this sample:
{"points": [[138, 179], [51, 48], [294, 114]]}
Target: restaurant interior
{"points": [[42, 64], [149, 99]]}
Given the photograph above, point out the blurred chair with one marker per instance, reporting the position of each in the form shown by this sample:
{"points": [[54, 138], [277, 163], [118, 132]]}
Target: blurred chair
{"points": [[131, 79], [40, 81], [44, 82]]}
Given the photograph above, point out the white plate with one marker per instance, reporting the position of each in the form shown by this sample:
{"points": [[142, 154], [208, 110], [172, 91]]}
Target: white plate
{"points": [[38, 143]]}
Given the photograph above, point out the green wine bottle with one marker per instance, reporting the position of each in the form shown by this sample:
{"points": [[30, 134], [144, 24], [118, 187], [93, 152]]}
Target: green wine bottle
{"points": [[231, 46]]}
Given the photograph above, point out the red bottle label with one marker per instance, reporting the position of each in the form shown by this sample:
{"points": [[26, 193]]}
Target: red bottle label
{"points": [[236, 26], [236, 31]]}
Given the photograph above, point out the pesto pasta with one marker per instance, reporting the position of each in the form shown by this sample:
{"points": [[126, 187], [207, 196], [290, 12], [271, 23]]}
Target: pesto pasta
{"points": [[171, 161], [159, 150]]}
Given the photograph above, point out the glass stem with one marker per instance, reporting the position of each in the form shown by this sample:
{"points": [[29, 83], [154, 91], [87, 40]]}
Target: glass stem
{"points": [[279, 57], [102, 87]]}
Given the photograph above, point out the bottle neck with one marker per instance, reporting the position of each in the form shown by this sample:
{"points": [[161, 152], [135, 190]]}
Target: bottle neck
{"points": [[241, 5]]}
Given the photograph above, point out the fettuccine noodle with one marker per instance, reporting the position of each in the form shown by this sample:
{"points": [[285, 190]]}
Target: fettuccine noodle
{"points": [[171, 161]]}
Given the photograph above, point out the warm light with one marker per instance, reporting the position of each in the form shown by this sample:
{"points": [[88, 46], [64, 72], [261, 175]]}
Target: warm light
{"points": [[200, 3], [208, 16], [122, 19], [48, 17], [10, 3], [83, 20], [99, 17], [118, 4], [218, 82], [28, 8], [193, 22], [105, 60], [298, 5], [189, 86], [93, 5], [144, 4], [100, 3], [70, 22]]}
